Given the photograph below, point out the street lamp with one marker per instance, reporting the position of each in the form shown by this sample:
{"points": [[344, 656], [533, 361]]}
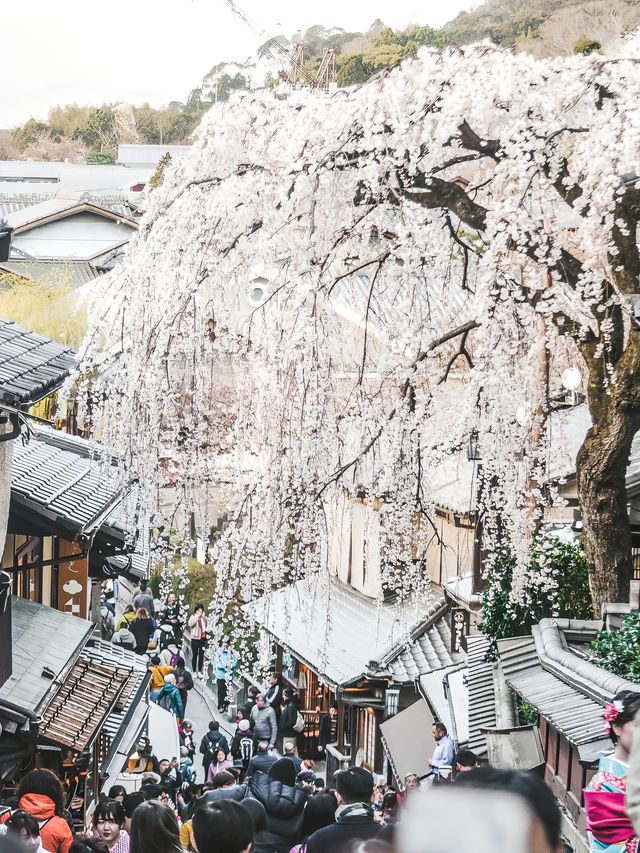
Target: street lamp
{"points": [[473, 450]]}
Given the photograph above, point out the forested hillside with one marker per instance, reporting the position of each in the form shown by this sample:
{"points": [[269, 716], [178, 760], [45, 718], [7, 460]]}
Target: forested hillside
{"points": [[541, 27]]}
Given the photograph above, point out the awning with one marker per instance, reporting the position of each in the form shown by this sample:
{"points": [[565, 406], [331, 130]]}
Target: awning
{"points": [[163, 733], [514, 749], [447, 695], [407, 739], [75, 714], [129, 738]]}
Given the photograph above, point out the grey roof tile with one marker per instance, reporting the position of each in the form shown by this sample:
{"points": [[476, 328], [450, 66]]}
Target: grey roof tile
{"points": [[67, 479], [335, 630], [30, 366], [41, 637], [52, 272], [482, 702]]}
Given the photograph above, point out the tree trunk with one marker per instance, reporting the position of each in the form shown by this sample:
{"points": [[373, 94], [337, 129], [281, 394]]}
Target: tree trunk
{"points": [[601, 468]]}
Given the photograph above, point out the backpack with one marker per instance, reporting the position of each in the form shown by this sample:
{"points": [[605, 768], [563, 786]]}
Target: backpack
{"points": [[246, 750], [298, 726], [212, 748], [164, 701]]}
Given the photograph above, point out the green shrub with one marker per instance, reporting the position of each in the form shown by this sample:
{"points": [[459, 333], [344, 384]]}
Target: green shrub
{"points": [[619, 651], [557, 585], [585, 46]]}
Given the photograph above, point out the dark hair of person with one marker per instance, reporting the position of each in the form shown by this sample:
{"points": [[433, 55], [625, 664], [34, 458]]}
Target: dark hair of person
{"points": [[221, 779], [630, 701], [529, 787], [155, 660], [334, 705], [214, 725], [23, 820], [116, 791], [132, 801], [252, 691], [320, 811], [150, 790], [142, 586], [88, 844], [109, 810], [222, 826], [284, 771], [180, 662], [466, 758], [257, 813], [198, 607], [390, 800], [154, 826], [354, 784], [440, 727], [46, 783]]}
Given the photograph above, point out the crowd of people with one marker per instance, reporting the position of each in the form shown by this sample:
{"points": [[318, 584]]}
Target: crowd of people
{"points": [[261, 793]]}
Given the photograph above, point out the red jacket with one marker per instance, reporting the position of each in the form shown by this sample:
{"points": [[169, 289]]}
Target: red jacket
{"points": [[55, 834]]}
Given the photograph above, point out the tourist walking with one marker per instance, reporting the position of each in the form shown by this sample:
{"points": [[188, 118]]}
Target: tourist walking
{"points": [[42, 795], [262, 760], [273, 693], [158, 672], [155, 829], [108, 825], [355, 819], [171, 616], [210, 744], [290, 718], [284, 804], [222, 762], [263, 720], [124, 638], [184, 681], [143, 598], [142, 628], [225, 663], [169, 697], [24, 829], [128, 615], [198, 625]]}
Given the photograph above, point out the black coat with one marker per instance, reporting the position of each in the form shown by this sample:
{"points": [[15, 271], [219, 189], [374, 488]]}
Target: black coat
{"points": [[284, 806], [142, 630], [288, 719], [217, 741], [338, 836]]}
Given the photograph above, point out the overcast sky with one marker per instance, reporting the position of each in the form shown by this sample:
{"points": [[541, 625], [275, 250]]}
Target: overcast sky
{"points": [[157, 50]]}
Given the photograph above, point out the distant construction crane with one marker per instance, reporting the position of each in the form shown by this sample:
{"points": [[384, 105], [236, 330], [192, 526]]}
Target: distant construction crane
{"points": [[294, 71]]}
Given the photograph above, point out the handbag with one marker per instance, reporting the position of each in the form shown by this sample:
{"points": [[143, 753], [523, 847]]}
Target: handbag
{"points": [[298, 726]]}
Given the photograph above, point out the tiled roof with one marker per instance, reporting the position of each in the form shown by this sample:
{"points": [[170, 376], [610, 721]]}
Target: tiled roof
{"points": [[333, 629], [83, 701], [30, 366], [428, 649], [103, 652], [482, 701], [577, 716], [65, 481], [21, 209], [70, 273], [43, 639]]}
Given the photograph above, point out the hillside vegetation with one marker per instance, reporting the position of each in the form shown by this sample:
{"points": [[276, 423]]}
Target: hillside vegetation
{"points": [[541, 27]]}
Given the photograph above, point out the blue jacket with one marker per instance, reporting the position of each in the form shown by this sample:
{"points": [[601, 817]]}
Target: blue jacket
{"points": [[173, 699], [226, 662]]}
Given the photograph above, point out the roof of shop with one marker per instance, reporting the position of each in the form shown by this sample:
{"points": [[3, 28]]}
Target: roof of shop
{"points": [[64, 480], [566, 689], [43, 639], [30, 366], [482, 700], [76, 712], [103, 652], [428, 649], [335, 630]]}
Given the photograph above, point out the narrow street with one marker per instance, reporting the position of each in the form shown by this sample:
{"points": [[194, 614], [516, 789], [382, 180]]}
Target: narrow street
{"points": [[201, 710]]}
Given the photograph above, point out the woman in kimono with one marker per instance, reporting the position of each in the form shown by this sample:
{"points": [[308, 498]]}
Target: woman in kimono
{"points": [[604, 798]]}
